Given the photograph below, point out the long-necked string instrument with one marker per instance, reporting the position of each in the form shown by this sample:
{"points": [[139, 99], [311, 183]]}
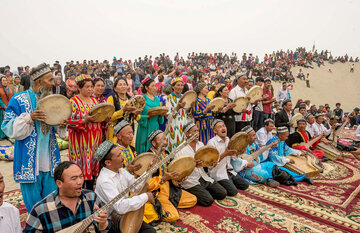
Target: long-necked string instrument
{"points": [[81, 226], [131, 221]]}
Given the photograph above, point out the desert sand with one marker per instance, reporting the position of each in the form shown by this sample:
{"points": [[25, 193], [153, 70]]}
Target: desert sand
{"points": [[338, 86]]}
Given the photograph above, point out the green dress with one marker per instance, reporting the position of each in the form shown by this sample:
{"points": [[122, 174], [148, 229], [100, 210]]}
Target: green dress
{"points": [[147, 125]]}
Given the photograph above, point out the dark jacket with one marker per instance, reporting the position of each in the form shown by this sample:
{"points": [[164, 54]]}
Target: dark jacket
{"points": [[62, 90], [282, 119]]}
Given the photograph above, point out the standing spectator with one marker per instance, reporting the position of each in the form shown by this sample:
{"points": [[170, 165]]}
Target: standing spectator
{"points": [[25, 78], [137, 77], [267, 102], [338, 112], [283, 93], [17, 87], [6, 93]]}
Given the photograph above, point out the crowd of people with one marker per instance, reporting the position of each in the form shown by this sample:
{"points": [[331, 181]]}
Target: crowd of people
{"points": [[58, 194]]}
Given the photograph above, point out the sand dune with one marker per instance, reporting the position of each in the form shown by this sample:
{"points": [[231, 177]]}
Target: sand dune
{"points": [[325, 87]]}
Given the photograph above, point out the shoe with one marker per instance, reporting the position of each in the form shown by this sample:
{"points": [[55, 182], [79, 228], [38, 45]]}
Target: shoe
{"points": [[309, 180], [272, 183], [325, 159]]}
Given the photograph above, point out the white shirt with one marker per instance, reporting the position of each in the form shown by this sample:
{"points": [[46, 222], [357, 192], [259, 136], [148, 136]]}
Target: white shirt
{"points": [[109, 184], [310, 129], [198, 172], [263, 136], [9, 218], [220, 171], [357, 132], [239, 92], [319, 129], [282, 95]]}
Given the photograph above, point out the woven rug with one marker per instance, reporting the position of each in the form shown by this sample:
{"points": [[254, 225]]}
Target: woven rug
{"points": [[332, 204]]}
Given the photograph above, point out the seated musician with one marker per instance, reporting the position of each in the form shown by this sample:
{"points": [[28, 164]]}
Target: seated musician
{"points": [[199, 183], [170, 195], [224, 172], [112, 180], [125, 134], [302, 136], [261, 171], [264, 134], [278, 154], [319, 128], [68, 205]]}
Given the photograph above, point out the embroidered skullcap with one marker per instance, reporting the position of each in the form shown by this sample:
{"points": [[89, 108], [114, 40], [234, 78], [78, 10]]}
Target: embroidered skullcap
{"points": [[146, 80], [284, 84], [267, 79], [72, 74], [82, 77], [199, 87], [188, 126], [318, 115], [356, 109], [175, 80], [153, 135], [269, 120], [285, 102], [103, 150], [247, 129], [119, 126], [39, 71], [213, 124], [282, 129], [239, 75], [307, 115], [301, 119]]}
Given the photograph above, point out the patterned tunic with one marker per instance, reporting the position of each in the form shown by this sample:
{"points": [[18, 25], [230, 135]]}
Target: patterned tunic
{"points": [[84, 139], [176, 134], [203, 121], [129, 154]]}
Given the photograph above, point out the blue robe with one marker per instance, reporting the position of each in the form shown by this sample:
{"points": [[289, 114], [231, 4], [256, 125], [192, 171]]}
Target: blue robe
{"points": [[277, 155], [27, 153]]}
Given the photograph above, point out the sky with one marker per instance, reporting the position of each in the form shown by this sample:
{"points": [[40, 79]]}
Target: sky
{"points": [[38, 31]]}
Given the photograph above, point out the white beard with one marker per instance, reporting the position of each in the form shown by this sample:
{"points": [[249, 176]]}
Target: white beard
{"points": [[44, 128]]}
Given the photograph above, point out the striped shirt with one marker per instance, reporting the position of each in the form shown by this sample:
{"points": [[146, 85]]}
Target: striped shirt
{"points": [[51, 215]]}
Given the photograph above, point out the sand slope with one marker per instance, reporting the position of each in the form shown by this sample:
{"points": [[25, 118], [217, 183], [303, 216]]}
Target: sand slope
{"points": [[325, 87]]}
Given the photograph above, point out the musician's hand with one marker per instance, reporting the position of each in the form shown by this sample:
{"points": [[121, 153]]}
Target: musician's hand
{"points": [[193, 105], [180, 105], [327, 142], [90, 118], [292, 161], [303, 153], [64, 124], [151, 198], [101, 219], [183, 179], [38, 115], [250, 164], [132, 167], [107, 119], [229, 152], [213, 164], [244, 110], [199, 163], [170, 175], [274, 144], [128, 108]]}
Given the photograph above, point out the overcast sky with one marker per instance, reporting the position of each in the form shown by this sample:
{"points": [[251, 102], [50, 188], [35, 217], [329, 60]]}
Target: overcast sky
{"points": [[33, 31]]}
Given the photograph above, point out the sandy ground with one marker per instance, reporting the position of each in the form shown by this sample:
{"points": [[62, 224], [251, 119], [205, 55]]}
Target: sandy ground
{"points": [[338, 86], [328, 88]]}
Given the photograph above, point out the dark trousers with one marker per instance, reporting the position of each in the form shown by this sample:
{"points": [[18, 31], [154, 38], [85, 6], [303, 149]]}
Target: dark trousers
{"points": [[115, 225], [258, 121], [240, 125], [234, 183], [267, 116], [206, 192]]}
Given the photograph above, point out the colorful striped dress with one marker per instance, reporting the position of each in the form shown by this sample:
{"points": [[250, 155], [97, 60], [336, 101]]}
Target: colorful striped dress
{"points": [[84, 139], [176, 134], [129, 154], [203, 121]]}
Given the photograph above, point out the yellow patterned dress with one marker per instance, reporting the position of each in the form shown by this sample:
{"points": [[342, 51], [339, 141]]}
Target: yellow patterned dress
{"points": [[176, 134]]}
